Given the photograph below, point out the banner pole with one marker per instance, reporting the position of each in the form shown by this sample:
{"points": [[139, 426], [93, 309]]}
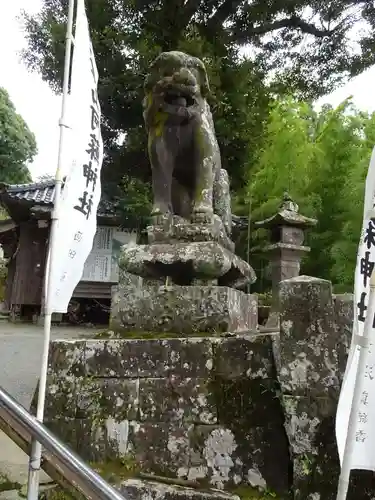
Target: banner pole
{"points": [[343, 485], [36, 449]]}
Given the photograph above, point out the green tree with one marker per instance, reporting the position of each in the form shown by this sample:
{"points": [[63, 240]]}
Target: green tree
{"points": [[321, 158], [302, 43], [17, 143]]}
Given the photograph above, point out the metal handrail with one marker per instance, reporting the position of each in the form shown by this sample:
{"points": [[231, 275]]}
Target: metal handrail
{"points": [[64, 462]]}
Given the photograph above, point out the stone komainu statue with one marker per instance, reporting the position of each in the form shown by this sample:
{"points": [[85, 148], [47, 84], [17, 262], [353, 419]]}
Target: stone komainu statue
{"points": [[185, 158]]}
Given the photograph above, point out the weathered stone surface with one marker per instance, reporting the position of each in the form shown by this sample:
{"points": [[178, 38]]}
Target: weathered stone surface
{"points": [[184, 262], [80, 397], [182, 143], [222, 201], [305, 356], [132, 358], [309, 374], [176, 400], [175, 229], [94, 440], [184, 309], [251, 410], [167, 404], [136, 489], [310, 425], [67, 357], [162, 448], [249, 357], [343, 305], [310, 429]]}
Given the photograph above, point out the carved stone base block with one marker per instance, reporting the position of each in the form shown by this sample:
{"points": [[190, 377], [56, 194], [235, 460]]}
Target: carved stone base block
{"points": [[183, 309], [175, 229], [185, 262]]}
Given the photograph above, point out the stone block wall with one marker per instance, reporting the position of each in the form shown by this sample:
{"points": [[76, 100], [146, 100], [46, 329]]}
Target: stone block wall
{"points": [[253, 410], [201, 409]]}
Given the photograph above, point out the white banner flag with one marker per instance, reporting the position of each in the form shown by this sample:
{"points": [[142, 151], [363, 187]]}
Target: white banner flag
{"points": [[81, 194], [363, 454]]}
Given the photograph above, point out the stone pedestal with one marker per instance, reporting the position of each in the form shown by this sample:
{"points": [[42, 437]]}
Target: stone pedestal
{"points": [[201, 275], [183, 310], [186, 262]]}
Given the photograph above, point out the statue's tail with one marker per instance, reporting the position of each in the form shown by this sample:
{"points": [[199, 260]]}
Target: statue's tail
{"points": [[222, 201]]}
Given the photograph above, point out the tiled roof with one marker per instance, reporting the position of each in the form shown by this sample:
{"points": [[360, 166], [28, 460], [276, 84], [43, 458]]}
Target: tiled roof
{"points": [[39, 193], [43, 193]]}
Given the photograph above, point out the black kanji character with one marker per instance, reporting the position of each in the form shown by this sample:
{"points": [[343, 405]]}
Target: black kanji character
{"points": [[93, 149], [90, 174], [85, 206], [364, 398], [92, 64], [95, 122], [72, 254], [369, 372], [366, 268], [362, 308], [362, 418], [78, 236], [94, 97], [370, 234], [360, 436]]}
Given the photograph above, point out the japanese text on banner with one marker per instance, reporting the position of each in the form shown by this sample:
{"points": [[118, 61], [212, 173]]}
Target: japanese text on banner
{"points": [[363, 456], [82, 191]]}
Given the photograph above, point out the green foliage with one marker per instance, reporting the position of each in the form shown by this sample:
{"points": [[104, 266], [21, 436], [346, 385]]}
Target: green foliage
{"points": [[248, 493], [321, 159], [136, 199], [6, 484], [302, 45], [17, 143]]}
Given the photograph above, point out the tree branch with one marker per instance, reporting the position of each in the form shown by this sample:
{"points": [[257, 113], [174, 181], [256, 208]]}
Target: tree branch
{"points": [[190, 8], [222, 13], [293, 22]]}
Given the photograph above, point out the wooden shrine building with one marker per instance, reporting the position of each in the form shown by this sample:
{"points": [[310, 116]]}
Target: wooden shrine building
{"points": [[24, 238]]}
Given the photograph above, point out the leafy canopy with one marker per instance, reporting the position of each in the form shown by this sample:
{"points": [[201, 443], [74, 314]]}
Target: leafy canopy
{"points": [[321, 158], [302, 44], [17, 143]]}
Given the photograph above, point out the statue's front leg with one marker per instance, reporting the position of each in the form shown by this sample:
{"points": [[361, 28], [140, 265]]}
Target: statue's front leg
{"points": [[162, 169], [203, 198]]}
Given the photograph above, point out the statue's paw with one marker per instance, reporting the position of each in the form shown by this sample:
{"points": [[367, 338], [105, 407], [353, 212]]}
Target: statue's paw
{"points": [[160, 216], [202, 215], [156, 211]]}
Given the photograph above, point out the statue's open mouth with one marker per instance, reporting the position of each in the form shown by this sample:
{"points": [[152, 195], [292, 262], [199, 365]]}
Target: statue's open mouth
{"points": [[181, 99]]}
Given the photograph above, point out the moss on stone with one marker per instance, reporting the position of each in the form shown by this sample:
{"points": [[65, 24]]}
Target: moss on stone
{"points": [[6, 484], [113, 472], [117, 470], [56, 494], [140, 335], [246, 492]]}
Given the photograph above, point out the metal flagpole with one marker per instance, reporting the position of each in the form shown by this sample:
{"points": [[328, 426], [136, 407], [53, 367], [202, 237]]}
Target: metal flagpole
{"points": [[36, 448], [363, 342]]}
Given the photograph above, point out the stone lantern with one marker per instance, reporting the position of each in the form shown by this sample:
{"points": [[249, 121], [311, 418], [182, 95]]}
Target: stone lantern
{"points": [[287, 233]]}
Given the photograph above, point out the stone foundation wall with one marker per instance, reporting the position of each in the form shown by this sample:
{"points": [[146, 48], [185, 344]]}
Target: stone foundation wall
{"points": [[201, 409], [253, 410]]}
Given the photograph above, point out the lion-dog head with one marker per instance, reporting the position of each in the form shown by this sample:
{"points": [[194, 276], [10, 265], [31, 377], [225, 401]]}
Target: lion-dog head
{"points": [[177, 85]]}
